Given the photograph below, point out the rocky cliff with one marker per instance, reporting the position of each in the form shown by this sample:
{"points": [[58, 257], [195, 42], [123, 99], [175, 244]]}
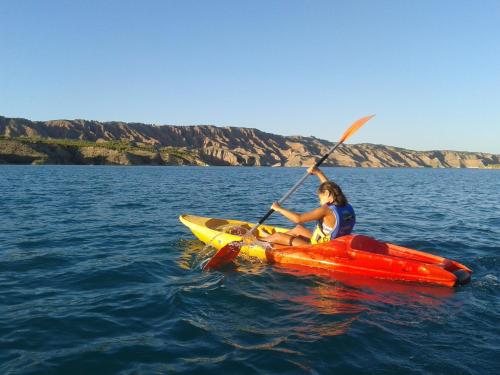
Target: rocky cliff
{"points": [[93, 142]]}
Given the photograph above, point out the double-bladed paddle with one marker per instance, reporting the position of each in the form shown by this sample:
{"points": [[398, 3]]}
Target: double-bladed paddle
{"points": [[230, 251]]}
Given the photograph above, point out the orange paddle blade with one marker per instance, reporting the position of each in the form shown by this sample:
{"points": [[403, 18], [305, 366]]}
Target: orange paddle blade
{"points": [[354, 127], [224, 256]]}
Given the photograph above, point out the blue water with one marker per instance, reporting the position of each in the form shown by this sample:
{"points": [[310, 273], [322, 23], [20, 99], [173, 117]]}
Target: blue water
{"points": [[97, 275]]}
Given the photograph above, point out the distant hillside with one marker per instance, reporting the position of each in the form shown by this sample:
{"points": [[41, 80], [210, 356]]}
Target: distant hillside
{"points": [[92, 142]]}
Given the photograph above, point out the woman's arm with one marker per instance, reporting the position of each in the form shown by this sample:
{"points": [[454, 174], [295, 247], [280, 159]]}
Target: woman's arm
{"points": [[297, 218], [318, 173]]}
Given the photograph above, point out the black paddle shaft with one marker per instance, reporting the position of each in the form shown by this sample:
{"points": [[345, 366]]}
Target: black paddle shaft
{"points": [[294, 188]]}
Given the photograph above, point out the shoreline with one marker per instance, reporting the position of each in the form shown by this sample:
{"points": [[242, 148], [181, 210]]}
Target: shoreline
{"points": [[55, 151], [238, 166]]}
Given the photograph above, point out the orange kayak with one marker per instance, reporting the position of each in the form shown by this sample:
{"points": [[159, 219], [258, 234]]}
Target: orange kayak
{"points": [[354, 254], [365, 256]]}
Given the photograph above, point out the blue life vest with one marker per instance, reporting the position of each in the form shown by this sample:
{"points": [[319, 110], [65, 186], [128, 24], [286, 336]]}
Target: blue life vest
{"points": [[345, 218]]}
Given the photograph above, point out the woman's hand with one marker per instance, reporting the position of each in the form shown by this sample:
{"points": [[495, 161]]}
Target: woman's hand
{"points": [[275, 206], [316, 171], [312, 170]]}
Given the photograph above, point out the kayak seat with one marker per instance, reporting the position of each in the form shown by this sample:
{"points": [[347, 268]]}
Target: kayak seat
{"points": [[216, 223], [365, 243]]}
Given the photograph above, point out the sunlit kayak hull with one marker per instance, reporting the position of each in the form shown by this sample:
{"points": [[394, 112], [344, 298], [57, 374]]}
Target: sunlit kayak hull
{"points": [[353, 254]]}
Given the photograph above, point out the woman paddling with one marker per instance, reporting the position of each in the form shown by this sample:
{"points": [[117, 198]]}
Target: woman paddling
{"points": [[335, 217]]}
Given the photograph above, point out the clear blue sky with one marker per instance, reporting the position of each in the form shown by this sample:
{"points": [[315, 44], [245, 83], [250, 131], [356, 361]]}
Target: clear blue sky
{"points": [[429, 69]]}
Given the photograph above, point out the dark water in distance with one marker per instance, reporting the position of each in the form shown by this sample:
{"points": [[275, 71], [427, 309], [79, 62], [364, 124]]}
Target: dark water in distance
{"points": [[97, 275]]}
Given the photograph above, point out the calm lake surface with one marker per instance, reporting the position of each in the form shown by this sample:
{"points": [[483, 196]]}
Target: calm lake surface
{"points": [[97, 275]]}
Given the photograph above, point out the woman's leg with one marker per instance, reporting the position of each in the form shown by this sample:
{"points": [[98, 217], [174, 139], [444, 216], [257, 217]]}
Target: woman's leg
{"points": [[297, 236], [300, 230]]}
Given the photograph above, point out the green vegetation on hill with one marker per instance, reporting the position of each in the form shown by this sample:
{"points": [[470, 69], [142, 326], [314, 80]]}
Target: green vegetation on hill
{"points": [[111, 145], [37, 150]]}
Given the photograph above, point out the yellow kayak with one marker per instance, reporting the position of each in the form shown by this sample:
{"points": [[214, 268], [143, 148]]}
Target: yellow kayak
{"points": [[220, 232]]}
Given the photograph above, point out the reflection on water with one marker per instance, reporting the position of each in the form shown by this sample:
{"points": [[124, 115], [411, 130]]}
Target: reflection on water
{"points": [[193, 253], [327, 293]]}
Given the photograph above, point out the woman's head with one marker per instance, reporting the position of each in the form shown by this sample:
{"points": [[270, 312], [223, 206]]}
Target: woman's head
{"points": [[330, 192]]}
